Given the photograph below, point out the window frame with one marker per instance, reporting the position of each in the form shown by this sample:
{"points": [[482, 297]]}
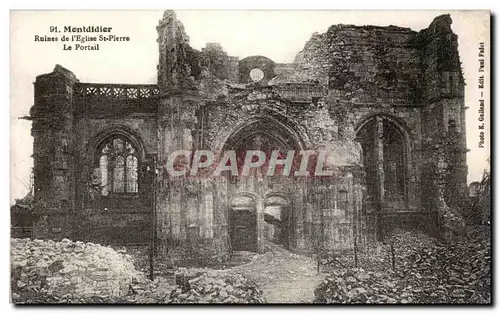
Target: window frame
{"points": [[98, 154]]}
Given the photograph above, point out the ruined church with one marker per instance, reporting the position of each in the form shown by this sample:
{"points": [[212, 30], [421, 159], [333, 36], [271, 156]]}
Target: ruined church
{"points": [[386, 102]]}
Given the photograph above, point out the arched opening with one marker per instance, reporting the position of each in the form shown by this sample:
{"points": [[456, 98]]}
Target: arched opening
{"points": [[118, 189], [276, 216], [384, 145], [273, 213], [243, 223], [261, 141]]}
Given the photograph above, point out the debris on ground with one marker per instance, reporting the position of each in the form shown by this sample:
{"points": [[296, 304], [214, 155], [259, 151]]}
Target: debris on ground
{"points": [[425, 272], [62, 271], [215, 287], [76, 272]]}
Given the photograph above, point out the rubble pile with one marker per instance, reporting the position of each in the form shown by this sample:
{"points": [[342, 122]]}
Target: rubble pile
{"points": [[359, 286], [425, 272], [195, 285], [145, 291], [77, 272], [67, 271], [461, 271], [377, 255], [215, 287]]}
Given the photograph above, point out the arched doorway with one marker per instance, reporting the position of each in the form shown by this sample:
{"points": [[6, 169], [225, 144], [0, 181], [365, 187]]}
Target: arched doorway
{"points": [[272, 215], [384, 145], [277, 218], [243, 222]]}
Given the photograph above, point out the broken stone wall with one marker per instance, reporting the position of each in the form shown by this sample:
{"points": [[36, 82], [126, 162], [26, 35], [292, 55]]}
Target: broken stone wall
{"points": [[70, 119], [371, 70], [364, 65], [53, 153], [219, 63], [444, 115]]}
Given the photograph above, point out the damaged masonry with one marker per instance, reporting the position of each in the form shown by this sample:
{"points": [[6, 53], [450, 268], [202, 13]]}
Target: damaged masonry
{"points": [[387, 103]]}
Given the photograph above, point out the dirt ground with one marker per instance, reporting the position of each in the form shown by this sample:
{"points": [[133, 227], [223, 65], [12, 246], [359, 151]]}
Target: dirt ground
{"points": [[283, 277]]}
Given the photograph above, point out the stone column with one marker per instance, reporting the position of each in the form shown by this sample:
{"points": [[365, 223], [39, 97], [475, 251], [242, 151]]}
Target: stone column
{"points": [[379, 159], [379, 146], [301, 222]]}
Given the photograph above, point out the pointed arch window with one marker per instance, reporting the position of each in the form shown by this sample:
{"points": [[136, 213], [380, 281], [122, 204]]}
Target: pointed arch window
{"points": [[118, 167], [385, 161]]}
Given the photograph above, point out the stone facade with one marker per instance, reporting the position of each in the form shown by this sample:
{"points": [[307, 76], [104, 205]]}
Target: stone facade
{"points": [[386, 102]]}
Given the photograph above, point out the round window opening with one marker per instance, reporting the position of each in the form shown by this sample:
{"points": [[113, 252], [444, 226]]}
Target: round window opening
{"points": [[256, 74]]}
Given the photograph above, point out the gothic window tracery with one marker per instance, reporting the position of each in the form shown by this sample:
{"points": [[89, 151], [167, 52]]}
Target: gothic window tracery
{"points": [[118, 165]]}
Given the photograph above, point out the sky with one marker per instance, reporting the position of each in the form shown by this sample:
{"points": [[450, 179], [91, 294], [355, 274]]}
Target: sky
{"points": [[278, 35]]}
